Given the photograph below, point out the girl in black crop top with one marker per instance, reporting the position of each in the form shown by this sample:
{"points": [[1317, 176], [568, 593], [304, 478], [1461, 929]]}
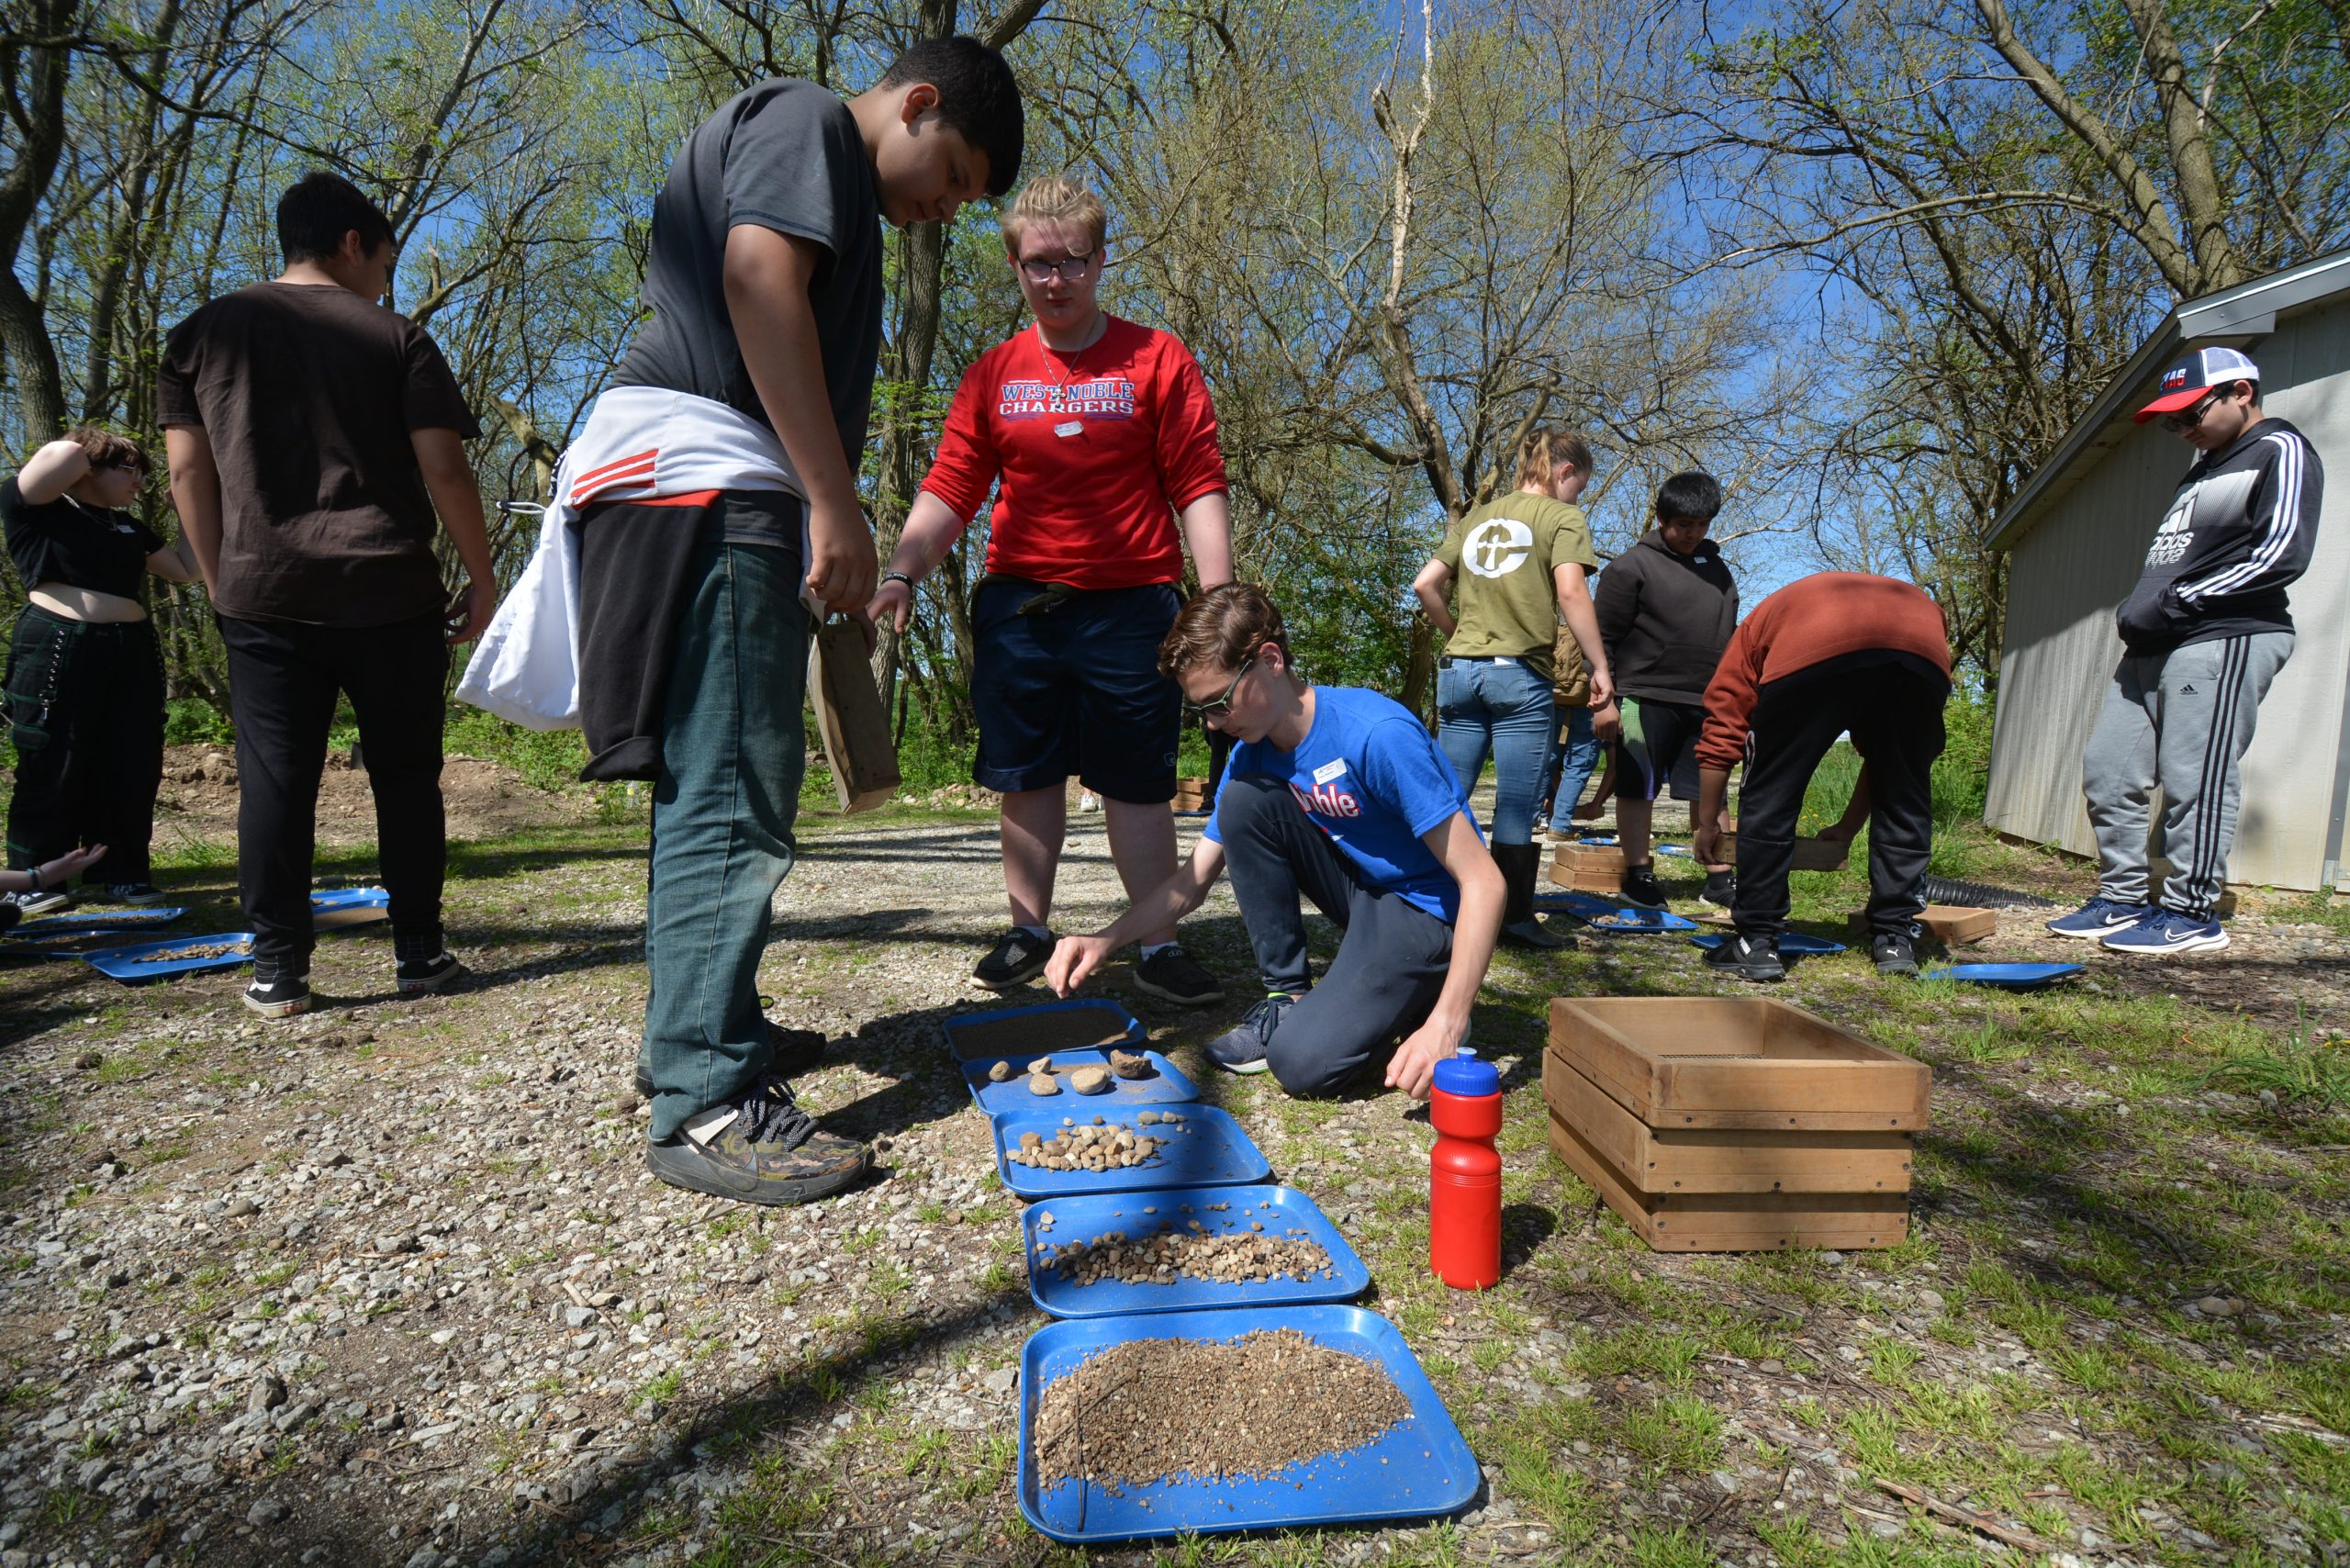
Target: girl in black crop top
{"points": [[84, 684]]}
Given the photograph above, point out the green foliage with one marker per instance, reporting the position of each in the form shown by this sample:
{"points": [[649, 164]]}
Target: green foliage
{"points": [[2304, 1072], [549, 759], [192, 721]]}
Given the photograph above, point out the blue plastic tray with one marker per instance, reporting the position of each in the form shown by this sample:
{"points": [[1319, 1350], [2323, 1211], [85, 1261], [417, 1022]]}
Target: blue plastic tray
{"points": [[349, 897], [1281, 1209], [113, 920], [1166, 1085], [1215, 1153], [1418, 1469], [1789, 942], [1582, 906], [1638, 921], [136, 963], [959, 1029], [349, 906], [2007, 977]]}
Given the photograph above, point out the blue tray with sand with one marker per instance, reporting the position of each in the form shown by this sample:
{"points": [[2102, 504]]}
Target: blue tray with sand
{"points": [[1419, 1467], [1048, 1230], [1201, 1147]]}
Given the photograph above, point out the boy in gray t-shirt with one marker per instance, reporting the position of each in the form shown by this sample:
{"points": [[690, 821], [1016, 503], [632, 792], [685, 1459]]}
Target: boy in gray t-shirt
{"points": [[766, 288]]}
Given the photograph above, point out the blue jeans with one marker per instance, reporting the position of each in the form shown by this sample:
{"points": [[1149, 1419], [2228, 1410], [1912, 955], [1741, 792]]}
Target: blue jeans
{"points": [[723, 810], [1573, 756], [1485, 705]]}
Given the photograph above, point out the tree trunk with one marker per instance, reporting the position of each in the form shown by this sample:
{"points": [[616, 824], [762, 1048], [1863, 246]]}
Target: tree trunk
{"points": [[34, 77]]}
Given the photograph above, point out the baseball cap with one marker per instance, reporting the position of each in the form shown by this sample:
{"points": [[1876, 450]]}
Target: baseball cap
{"points": [[2187, 380]]}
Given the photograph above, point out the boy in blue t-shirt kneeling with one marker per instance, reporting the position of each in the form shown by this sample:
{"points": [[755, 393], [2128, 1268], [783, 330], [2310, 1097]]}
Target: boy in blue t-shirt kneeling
{"points": [[1340, 796]]}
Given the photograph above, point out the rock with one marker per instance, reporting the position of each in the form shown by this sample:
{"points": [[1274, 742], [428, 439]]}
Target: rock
{"points": [[89, 1059], [1931, 1300], [1126, 1064], [392, 1246], [1090, 1080], [1043, 1083], [1000, 1073], [1041, 1064], [2219, 1306], [240, 1208], [267, 1511], [999, 1381], [268, 1394]]}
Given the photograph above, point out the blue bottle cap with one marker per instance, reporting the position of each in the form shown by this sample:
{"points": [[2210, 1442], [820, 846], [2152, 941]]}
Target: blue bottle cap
{"points": [[1464, 1074]]}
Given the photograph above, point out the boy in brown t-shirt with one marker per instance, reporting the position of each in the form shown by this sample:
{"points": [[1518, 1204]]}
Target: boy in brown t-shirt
{"points": [[314, 435]]}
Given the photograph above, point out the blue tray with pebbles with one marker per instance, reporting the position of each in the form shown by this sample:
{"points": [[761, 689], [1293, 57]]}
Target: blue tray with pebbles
{"points": [[1203, 1147], [1047, 1229]]}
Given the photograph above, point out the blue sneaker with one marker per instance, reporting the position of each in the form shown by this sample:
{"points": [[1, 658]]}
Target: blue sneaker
{"points": [[2101, 915], [2169, 931], [1242, 1050]]}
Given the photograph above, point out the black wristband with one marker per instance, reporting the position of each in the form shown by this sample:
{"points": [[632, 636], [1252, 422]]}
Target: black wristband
{"points": [[897, 577], [34, 872]]}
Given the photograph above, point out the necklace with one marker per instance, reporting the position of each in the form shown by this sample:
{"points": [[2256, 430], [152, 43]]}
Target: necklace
{"points": [[1069, 427]]}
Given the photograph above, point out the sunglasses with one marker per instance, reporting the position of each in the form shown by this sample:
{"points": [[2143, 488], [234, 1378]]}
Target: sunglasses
{"points": [[1070, 267], [2187, 419], [1217, 707]]}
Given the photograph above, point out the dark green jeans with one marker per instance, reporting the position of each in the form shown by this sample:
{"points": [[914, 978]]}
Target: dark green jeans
{"points": [[722, 811]]}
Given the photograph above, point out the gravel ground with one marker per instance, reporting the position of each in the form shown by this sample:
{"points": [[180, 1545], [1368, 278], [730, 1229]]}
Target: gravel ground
{"points": [[389, 1284]]}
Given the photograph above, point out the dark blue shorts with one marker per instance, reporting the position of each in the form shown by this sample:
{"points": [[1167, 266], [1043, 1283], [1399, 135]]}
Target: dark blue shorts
{"points": [[1075, 691]]}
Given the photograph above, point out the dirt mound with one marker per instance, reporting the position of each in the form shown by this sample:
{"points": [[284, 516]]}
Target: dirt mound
{"points": [[485, 800]]}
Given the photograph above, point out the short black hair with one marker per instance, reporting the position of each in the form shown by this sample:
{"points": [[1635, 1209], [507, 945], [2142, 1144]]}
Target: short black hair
{"points": [[319, 210], [1691, 493], [979, 99]]}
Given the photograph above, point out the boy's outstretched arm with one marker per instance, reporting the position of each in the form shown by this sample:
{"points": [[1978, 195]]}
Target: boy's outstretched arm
{"points": [[1077, 956], [766, 277], [1454, 842]]}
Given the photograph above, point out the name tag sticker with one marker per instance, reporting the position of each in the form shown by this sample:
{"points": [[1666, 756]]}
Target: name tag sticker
{"points": [[1334, 768], [1068, 428]]}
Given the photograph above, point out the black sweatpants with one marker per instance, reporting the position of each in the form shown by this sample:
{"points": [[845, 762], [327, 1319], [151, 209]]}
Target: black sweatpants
{"points": [[283, 677], [85, 712], [1895, 714], [1390, 967]]}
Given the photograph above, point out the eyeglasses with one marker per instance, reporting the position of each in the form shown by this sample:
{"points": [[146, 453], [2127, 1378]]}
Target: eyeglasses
{"points": [[130, 464], [1070, 267], [2187, 419], [1217, 707]]}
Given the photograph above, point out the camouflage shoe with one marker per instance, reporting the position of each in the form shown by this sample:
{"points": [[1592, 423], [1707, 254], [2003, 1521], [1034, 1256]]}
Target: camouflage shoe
{"points": [[761, 1149]]}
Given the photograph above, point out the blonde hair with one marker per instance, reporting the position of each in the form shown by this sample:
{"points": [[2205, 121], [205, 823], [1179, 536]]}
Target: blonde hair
{"points": [[1544, 452], [1056, 198]]}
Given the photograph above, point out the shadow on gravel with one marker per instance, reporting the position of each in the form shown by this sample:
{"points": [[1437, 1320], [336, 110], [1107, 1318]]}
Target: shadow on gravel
{"points": [[756, 1417]]}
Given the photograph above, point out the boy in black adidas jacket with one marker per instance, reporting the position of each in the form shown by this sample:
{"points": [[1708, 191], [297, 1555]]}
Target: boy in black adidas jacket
{"points": [[2204, 633]]}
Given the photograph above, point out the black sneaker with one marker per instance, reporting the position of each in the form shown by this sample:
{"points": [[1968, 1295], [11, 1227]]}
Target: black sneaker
{"points": [[1894, 954], [133, 893], [49, 901], [274, 994], [761, 1149], [1640, 889], [1017, 959], [1721, 888], [790, 1052], [417, 976], [1242, 1049], [1749, 958], [1170, 975]]}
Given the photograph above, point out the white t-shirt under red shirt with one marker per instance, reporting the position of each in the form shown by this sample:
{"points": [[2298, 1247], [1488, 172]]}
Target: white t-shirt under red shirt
{"points": [[1097, 452]]}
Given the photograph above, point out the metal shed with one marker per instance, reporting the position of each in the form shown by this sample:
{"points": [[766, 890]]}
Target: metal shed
{"points": [[2078, 534]]}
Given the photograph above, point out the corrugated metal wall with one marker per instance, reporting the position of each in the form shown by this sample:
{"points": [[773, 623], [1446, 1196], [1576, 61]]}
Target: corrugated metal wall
{"points": [[2068, 574]]}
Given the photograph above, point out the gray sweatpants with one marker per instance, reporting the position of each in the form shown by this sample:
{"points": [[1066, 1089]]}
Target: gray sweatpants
{"points": [[2182, 720]]}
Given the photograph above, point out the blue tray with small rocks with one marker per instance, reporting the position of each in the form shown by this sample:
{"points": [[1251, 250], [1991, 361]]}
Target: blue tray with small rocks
{"points": [[1057, 1234], [1789, 942], [1196, 1146], [1160, 1082], [1420, 1467], [142, 961]]}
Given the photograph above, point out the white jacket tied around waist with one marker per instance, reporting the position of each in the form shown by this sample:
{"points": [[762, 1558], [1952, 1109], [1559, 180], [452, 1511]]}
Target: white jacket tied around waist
{"points": [[641, 442]]}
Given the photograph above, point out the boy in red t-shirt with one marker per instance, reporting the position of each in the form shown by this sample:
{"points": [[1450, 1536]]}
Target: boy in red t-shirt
{"points": [[1103, 439]]}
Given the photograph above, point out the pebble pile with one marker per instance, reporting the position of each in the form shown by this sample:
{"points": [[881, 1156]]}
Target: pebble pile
{"points": [[1238, 1258], [1153, 1409], [1093, 1147]]}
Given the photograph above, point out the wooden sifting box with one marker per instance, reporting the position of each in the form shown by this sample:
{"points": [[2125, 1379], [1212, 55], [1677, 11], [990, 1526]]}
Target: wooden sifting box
{"points": [[1738, 1222], [1737, 1062], [1951, 923], [1734, 1124], [1588, 867]]}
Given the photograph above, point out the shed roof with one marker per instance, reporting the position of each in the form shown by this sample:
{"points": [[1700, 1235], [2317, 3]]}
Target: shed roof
{"points": [[2240, 315]]}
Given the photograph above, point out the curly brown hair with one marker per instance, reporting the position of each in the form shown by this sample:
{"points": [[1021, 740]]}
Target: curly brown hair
{"points": [[1222, 626], [108, 450]]}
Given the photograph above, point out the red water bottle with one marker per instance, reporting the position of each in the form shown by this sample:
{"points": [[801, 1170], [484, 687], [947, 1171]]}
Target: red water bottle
{"points": [[1465, 1173]]}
